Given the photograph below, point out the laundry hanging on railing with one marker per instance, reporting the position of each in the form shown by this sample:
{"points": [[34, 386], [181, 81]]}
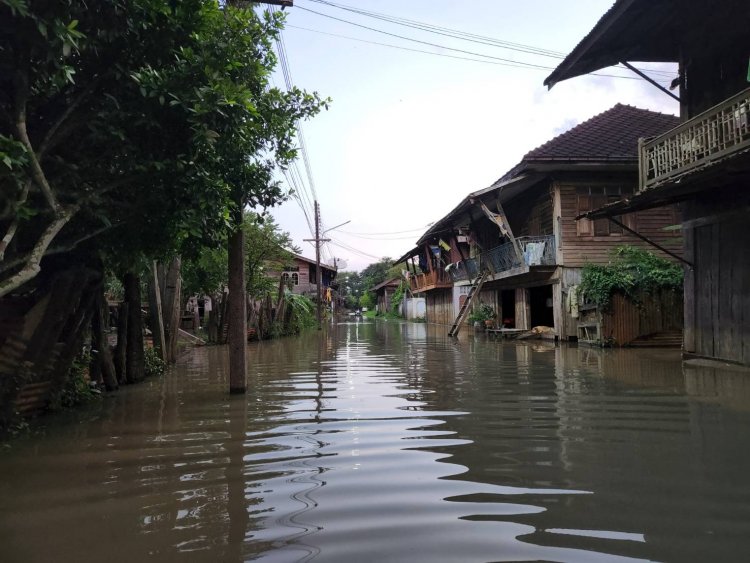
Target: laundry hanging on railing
{"points": [[534, 253]]}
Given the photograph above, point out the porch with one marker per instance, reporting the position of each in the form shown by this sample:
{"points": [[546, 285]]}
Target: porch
{"points": [[504, 261], [719, 133], [437, 279]]}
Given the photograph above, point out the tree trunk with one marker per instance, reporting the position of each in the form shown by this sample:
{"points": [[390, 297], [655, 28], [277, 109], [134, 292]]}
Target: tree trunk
{"points": [[171, 306], [122, 343], [101, 363], [237, 312], [213, 320], [155, 312], [134, 361]]}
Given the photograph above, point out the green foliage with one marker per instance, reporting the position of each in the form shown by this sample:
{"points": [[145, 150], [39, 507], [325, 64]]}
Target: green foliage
{"points": [[303, 312], [352, 287], [76, 389], [154, 123], [483, 312], [398, 296], [153, 364], [267, 249], [367, 300], [630, 271], [113, 288]]}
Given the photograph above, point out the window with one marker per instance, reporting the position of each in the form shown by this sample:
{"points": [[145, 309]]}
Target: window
{"points": [[594, 197], [290, 278]]}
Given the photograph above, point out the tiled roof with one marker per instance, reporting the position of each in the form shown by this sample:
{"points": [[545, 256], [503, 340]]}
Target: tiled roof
{"points": [[611, 136]]}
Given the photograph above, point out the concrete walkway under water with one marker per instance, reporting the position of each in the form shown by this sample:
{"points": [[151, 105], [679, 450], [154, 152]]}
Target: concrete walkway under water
{"points": [[390, 442]]}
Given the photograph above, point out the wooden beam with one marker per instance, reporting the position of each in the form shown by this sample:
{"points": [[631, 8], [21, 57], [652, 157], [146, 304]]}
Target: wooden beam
{"points": [[649, 241], [649, 79], [501, 220]]}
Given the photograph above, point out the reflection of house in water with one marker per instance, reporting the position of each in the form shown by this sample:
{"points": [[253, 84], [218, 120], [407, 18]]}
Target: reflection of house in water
{"points": [[639, 437], [517, 246], [704, 163]]}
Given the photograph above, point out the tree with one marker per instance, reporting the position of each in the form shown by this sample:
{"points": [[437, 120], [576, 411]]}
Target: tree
{"points": [[134, 129], [150, 121]]}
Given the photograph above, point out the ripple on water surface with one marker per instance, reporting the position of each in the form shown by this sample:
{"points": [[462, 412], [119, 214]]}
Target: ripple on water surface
{"points": [[390, 442]]}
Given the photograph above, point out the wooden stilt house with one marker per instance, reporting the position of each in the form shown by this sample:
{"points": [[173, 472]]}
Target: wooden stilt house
{"points": [[703, 163]]}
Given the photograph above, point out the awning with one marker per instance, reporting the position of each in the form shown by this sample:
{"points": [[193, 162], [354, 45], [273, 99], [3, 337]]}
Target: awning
{"points": [[732, 170], [652, 31]]}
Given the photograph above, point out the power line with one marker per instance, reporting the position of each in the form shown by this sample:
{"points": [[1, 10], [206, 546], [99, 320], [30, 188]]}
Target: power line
{"points": [[402, 48], [455, 34], [492, 57], [417, 230], [447, 32], [345, 246]]}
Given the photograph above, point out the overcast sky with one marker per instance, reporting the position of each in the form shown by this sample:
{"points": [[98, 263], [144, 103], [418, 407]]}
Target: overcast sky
{"points": [[409, 134]]}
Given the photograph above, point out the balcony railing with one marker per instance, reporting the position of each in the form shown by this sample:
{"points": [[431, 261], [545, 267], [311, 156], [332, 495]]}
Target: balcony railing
{"points": [[716, 133], [536, 251], [430, 280]]}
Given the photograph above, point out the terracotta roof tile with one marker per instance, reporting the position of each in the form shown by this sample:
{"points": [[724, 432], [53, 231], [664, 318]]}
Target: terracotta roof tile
{"points": [[611, 136]]}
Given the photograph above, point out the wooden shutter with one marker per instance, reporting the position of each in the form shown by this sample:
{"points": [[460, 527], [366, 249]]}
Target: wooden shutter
{"points": [[584, 227], [601, 226]]}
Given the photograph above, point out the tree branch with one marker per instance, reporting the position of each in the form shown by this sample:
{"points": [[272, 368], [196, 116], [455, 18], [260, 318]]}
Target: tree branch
{"points": [[49, 139], [37, 174], [61, 249], [6, 240], [33, 262]]}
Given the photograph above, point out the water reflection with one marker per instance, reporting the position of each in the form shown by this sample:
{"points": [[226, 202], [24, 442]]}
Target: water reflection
{"points": [[391, 442]]}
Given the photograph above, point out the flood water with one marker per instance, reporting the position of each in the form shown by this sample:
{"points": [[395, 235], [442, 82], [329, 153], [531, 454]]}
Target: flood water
{"points": [[390, 442]]}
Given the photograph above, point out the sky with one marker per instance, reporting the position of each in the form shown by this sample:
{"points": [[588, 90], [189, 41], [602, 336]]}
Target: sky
{"points": [[408, 135]]}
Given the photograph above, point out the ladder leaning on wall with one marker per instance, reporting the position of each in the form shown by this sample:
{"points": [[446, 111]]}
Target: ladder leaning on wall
{"points": [[476, 286]]}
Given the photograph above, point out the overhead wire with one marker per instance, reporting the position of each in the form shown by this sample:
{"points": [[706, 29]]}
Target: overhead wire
{"points": [[405, 38], [402, 48], [300, 192], [447, 32], [456, 34]]}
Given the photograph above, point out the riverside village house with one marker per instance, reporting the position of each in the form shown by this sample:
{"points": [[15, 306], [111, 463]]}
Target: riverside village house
{"points": [[702, 164], [516, 245], [300, 275]]}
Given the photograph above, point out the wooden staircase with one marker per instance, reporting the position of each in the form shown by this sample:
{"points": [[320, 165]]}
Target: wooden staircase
{"points": [[464, 311], [664, 339]]}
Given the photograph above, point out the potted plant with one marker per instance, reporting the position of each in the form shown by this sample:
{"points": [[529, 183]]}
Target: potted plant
{"points": [[482, 316]]}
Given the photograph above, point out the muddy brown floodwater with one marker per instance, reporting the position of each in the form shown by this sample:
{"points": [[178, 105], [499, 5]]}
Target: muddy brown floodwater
{"points": [[390, 442]]}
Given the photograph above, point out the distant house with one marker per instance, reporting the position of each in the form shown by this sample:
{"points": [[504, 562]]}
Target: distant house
{"points": [[384, 291], [517, 245], [300, 276], [703, 163]]}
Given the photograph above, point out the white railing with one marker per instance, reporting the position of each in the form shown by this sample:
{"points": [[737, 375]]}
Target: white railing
{"points": [[711, 135]]}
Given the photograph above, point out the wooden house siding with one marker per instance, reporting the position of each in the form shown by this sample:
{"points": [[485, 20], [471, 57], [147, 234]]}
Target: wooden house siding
{"points": [[717, 289], [439, 306], [531, 214], [626, 321], [579, 245]]}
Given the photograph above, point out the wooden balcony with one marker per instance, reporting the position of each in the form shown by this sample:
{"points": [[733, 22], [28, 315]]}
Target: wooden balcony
{"points": [[430, 280], [716, 134], [503, 260]]}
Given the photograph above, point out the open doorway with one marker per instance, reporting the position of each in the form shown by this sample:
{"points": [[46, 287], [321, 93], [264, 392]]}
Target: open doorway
{"points": [[508, 308], [540, 301]]}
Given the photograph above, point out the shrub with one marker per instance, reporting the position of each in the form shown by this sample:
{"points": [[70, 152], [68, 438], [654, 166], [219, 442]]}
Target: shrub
{"points": [[153, 364], [630, 271]]}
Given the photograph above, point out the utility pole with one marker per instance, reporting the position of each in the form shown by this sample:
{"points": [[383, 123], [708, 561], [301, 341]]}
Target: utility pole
{"points": [[318, 272]]}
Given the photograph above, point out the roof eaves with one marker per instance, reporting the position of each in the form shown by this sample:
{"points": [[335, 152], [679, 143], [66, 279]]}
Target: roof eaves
{"points": [[565, 69]]}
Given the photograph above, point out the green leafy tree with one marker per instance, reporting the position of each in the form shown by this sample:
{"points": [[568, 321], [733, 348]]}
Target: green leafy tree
{"points": [[147, 125], [267, 249]]}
